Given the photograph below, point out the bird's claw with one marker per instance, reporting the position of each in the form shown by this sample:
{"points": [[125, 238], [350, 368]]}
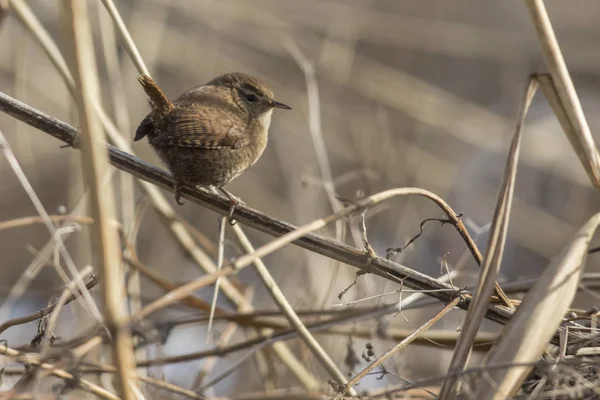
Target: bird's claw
{"points": [[178, 193], [234, 203], [230, 218]]}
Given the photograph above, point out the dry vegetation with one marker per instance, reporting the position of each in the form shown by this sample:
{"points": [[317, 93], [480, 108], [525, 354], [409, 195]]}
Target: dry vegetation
{"points": [[420, 226]]}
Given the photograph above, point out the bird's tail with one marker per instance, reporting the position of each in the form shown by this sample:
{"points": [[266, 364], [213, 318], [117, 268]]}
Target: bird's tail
{"points": [[158, 100]]}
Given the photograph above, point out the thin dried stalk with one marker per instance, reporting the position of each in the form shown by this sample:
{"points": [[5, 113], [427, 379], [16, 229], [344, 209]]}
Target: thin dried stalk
{"points": [[126, 37], [405, 342], [153, 276], [95, 164], [316, 133], [65, 296], [126, 182], [84, 384], [493, 257], [26, 221], [44, 311], [295, 321], [211, 362], [181, 293], [220, 254], [579, 135]]}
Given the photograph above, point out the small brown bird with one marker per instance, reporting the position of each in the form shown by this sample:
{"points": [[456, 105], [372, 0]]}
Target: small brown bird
{"points": [[210, 134]]}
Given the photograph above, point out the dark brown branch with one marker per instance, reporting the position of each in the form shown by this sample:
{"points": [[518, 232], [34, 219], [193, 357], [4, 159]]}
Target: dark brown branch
{"points": [[248, 216]]}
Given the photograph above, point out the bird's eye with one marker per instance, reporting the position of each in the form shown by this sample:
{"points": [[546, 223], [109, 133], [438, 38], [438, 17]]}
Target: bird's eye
{"points": [[251, 97]]}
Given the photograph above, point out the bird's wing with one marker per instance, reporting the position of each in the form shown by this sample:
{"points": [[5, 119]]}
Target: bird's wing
{"points": [[202, 128]]}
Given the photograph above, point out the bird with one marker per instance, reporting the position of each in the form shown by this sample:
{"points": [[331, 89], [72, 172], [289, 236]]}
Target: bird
{"points": [[210, 134]]}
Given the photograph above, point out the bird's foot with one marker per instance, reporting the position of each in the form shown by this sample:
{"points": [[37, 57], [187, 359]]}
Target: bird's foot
{"points": [[178, 185], [234, 201]]}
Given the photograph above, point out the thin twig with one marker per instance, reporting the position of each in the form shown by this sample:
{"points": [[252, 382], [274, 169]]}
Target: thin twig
{"points": [[316, 132], [88, 302], [60, 373], [292, 317], [391, 252], [281, 349], [220, 254], [211, 362], [130, 46], [409, 339], [44, 311], [271, 337], [66, 295], [35, 219], [95, 166], [126, 203]]}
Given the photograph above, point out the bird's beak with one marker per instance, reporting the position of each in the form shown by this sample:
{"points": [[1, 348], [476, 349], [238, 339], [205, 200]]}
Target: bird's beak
{"points": [[276, 104]]}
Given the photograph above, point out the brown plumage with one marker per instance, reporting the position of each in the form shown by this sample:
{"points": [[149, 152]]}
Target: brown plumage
{"points": [[210, 134]]}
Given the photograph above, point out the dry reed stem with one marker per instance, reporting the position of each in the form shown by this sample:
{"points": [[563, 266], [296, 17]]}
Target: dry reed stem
{"points": [[580, 136], [288, 311], [127, 204], [35, 219], [95, 165], [493, 257], [316, 133], [130, 46], [87, 385], [220, 255], [4, 11], [432, 338]]}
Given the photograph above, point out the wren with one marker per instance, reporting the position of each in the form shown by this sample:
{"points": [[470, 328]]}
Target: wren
{"points": [[211, 134]]}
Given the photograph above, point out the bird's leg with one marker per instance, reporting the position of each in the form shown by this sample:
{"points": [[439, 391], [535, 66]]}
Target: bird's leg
{"points": [[234, 202], [178, 185]]}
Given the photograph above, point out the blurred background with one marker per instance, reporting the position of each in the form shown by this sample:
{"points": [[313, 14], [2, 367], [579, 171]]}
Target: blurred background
{"points": [[411, 93]]}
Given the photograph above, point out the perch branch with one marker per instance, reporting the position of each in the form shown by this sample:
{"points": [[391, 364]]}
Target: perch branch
{"points": [[248, 216]]}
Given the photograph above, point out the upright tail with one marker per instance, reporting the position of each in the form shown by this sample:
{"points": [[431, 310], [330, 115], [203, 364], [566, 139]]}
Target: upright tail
{"points": [[159, 102]]}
